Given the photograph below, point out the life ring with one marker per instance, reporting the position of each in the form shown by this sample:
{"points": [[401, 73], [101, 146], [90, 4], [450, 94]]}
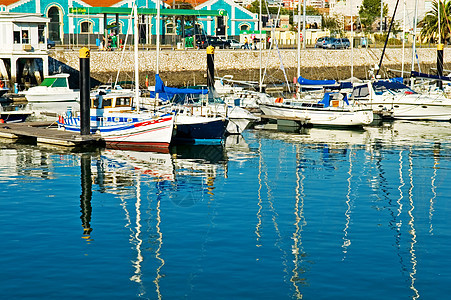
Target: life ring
{"points": [[2, 84], [279, 100]]}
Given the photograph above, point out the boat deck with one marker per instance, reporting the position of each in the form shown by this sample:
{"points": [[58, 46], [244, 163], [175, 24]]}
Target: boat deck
{"points": [[47, 133]]}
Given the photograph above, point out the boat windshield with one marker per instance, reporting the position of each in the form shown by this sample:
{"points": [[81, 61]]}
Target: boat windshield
{"points": [[48, 82], [197, 99], [54, 82]]}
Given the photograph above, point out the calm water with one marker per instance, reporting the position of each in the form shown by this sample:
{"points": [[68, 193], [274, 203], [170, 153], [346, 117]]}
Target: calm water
{"points": [[320, 215]]}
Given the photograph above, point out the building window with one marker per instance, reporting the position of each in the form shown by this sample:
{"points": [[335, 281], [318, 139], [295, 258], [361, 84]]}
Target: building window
{"points": [[54, 25], [116, 29], [86, 27], [16, 37], [170, 28], [244, 27], [41, 33], [25, 37]]}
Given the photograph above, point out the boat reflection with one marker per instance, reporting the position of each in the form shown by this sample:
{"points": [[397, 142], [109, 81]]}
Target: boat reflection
{"points": [[186, 175], [397, 133]]}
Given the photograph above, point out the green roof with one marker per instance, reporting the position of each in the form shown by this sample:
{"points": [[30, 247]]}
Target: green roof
{"points": [[145, 11]]}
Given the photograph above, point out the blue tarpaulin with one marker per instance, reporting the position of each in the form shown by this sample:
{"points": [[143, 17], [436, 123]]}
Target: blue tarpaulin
{"points": [[303, 81], [162, 89], [389, 85], [325, 100]]}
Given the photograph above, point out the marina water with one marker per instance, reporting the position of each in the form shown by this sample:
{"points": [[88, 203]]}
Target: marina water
{"points": [[318, 214]]}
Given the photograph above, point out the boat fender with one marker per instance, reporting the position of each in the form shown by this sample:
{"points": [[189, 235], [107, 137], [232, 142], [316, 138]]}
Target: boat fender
{"points": [[279, 100], [2, 121], [2, 84]]}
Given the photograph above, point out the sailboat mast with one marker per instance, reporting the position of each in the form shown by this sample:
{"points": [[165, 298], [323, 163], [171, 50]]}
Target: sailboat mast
{"points": [[136, 41], [157, 69], [303, 25], [403, 37], [413, 42], [352, 43], [298, 53], [158, 36], [261, 44]]}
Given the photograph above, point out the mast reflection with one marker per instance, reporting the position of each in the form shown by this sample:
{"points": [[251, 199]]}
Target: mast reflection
{"points": [[413, 258], [297, 248], [436, 152], [346, 240], [259, 195], [398, 220]]}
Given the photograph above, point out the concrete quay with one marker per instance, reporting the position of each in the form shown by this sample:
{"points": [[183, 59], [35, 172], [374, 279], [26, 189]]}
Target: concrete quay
{"points": [[188, 67]]}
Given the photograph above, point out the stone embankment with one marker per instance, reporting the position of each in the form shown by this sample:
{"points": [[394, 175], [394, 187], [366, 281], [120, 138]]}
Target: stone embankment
{"points": [[188, 67]]}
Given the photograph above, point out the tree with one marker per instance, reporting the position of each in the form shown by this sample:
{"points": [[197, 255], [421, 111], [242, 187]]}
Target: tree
{"points": [[309, 11], [430, 24], [370, 11], [331, 23], [255, 8]]}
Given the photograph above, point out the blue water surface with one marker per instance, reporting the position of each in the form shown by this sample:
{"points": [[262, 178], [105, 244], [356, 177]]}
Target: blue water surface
{"points": [[321, 214]]}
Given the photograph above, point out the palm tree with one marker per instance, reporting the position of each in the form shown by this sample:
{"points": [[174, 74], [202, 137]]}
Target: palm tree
{"points": [[430, 22]]}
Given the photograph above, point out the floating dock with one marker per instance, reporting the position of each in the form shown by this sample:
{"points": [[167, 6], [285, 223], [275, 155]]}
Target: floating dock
{"points": [[48, 133]]}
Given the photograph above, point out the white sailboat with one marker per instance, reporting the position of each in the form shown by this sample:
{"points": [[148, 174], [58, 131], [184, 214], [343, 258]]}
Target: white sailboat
{"points": [[333, 109], [327, 108], [120, 122]]}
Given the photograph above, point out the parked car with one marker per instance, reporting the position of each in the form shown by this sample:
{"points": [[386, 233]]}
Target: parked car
{"points": [[336, 44], [320, 42], [50, 44], [346, 42], [204, 41], [234, 44]]}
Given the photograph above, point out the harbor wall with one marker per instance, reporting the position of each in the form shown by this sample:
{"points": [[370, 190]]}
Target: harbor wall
{"points": [[188, 67]]}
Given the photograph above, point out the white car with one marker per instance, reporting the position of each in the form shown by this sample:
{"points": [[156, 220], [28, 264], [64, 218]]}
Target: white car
{"points": [[234, 44]]}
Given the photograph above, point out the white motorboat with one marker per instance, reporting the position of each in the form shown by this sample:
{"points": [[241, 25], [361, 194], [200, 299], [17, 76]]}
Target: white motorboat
{"points": [[333, 109], [403, 102], [54, 88]]}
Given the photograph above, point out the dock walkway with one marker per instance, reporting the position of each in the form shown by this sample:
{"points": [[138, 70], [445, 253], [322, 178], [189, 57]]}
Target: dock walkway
{"points": [[47, 133]]}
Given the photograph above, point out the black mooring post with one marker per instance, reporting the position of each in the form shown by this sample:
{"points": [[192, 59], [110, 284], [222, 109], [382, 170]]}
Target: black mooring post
{"points": [[210, 66], [440, 64], [85, 127]]}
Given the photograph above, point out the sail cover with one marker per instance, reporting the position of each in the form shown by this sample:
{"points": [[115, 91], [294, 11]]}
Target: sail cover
{"points": [[162, 89], [303, 81]]}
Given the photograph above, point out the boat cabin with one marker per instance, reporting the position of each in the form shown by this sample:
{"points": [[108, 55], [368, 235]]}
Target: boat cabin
{"points": [[113, 101]]}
